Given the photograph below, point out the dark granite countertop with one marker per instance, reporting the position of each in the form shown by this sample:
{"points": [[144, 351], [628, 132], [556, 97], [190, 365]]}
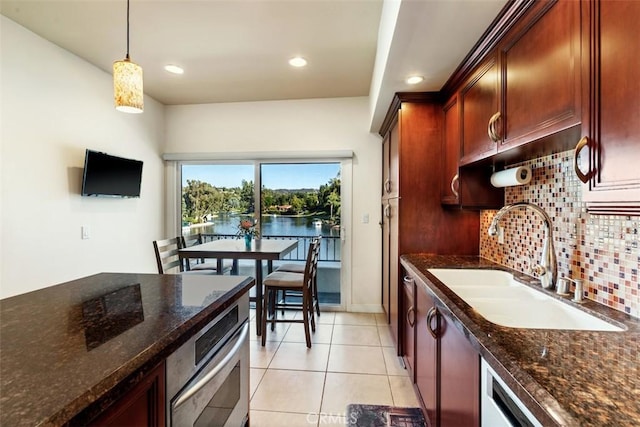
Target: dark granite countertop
{"points": [[565, 377], [66, 349]]}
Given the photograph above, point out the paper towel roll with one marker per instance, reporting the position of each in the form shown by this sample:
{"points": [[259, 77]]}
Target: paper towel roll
{"points": [[514, 176]]}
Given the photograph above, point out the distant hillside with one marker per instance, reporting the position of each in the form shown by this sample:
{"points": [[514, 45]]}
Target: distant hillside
{"points": [[291, 191]]}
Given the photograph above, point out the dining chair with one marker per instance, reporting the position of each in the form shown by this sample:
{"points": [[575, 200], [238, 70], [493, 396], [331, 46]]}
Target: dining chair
{"points": [[200, 264], [288, 281], [168, 260], [299, 268]]}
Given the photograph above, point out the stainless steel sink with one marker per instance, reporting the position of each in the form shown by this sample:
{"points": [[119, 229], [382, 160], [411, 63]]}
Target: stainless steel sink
{"points": [[500, 299]]}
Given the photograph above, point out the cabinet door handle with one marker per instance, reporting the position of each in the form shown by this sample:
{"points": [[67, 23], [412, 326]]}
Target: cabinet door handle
{"points": [[411, 319], [387, 186], [432, 314], [453, 186], [407, 279], [495, 126], [584, 142], [491, 129], [387, 211]]}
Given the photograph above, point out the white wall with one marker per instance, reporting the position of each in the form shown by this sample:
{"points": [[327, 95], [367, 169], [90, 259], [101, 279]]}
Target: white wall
{"points": [[54, 105], [300, 125]]}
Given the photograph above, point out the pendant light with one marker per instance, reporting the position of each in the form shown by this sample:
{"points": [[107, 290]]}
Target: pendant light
{"points": [[127, 82]]}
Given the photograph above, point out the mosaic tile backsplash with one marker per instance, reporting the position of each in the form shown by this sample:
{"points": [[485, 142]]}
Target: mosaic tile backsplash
{"points": [[603, 250]]}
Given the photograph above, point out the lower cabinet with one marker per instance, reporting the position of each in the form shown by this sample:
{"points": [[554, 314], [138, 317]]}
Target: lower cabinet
{"points": [[142, 406], [459, 366], [445, 369], [427, 356], [408, 330]]}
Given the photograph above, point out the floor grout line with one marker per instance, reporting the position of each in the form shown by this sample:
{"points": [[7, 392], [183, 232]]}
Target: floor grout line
{"points": [[326, 370]]}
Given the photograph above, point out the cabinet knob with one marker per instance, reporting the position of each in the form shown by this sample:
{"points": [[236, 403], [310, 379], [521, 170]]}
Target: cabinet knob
{"points": [[387, 186], [584, 142], [453, 185], [387, 211]]}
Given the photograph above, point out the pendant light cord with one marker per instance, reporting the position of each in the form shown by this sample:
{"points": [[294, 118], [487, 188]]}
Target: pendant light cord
{"points": [[127, 29]]}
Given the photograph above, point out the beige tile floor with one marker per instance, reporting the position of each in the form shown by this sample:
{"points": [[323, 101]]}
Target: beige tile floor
{"points": [[352, 360]]}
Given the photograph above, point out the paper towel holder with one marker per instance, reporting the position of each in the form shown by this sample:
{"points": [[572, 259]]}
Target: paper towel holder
{"points": [[520, 175]]}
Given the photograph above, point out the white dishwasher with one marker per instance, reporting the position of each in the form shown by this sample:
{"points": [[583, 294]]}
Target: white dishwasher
{"points": [[500, 406]]}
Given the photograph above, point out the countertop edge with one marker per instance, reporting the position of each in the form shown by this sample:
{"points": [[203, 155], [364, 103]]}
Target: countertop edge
{"points": [[541, 403], [99, 397]]}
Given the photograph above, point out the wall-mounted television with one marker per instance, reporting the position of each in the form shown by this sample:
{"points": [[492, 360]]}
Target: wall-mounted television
{"points": [[110, 176]]}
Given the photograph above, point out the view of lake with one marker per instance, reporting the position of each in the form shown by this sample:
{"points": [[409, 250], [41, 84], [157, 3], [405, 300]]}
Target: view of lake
{"points": [[271, 225]]}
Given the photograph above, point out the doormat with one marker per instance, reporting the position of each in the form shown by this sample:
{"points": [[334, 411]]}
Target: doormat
{"points": [[384, 416]]}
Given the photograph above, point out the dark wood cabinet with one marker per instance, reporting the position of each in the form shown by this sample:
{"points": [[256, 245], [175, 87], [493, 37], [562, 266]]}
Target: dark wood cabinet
{"points": [[445, 368], [526, 93], [409, 319], [389, 187], [450, 183], [426, 348], [610, 149], [390, 295], [459, 377], [479, 104], [391, 301], [540, 74], [386, 232], [143, 405], [413, 219], [468, 186]]}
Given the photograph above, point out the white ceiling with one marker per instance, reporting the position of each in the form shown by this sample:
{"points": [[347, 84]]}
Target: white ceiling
{"points": [[237, 50]]}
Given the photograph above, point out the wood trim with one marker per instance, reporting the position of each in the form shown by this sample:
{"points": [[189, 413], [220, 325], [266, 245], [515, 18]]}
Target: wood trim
{"points": [[391, 118], [506, 19]]}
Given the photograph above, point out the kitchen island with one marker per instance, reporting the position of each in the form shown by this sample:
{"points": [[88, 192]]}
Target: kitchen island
{"points": [[564, 377], [68, 351]]}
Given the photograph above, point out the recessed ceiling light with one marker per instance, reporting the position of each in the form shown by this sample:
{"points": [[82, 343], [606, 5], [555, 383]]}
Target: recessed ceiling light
{"points": [[413, 80], [174, 69], [298, 61]]}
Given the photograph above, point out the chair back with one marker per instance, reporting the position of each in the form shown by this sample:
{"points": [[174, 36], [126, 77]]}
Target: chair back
{"points": [[319, 240], [167, 255], [311, 267], [190, 240]]}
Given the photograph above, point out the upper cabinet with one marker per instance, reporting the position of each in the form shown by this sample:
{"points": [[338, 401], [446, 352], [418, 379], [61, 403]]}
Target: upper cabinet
{"points": [[607, 155], [390, 163], [540, 75], [480, 110], [463, 186], [527, 88]]}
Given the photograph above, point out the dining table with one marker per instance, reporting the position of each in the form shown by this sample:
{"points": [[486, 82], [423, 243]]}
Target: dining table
{"points": [[236, 249]]}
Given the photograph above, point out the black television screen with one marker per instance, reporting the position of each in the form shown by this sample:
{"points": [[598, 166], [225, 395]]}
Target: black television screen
{"points": [[106, 175]]}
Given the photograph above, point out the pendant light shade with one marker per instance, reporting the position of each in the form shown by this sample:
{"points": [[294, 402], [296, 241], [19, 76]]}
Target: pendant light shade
{"points": [[127, 86], [128, 94]]}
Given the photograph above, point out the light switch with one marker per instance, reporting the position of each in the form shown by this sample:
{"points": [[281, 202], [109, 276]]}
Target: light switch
{"points": [[86, 232], [365, 218]]}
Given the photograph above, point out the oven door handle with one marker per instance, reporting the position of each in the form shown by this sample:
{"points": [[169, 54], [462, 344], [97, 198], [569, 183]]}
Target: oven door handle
{"points": [[220, 366]]}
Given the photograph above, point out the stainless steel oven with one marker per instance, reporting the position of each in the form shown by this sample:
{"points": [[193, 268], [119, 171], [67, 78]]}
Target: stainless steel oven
{"points": [[208, 376]]}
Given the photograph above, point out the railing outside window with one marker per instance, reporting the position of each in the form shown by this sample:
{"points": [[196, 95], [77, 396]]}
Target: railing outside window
{"points": [[329, 246]]}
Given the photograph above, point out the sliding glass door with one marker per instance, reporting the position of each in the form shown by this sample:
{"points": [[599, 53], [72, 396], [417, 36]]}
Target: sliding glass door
{"points": [[302, 200], [215, 196], [296, 200]]}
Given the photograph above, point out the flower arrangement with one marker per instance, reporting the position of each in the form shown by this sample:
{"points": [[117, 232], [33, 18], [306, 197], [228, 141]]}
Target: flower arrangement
{"points": [[247, 228]]}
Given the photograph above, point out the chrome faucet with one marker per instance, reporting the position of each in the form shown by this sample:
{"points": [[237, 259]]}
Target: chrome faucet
{"points": [[547, 270]]}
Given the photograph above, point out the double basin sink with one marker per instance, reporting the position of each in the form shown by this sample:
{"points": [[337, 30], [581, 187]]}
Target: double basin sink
{"points": [[502, 300]]}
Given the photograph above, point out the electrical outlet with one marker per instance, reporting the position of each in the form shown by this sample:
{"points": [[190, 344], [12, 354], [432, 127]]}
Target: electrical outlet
{"points": [[365, 218], [500, 235], [86, 232]]}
